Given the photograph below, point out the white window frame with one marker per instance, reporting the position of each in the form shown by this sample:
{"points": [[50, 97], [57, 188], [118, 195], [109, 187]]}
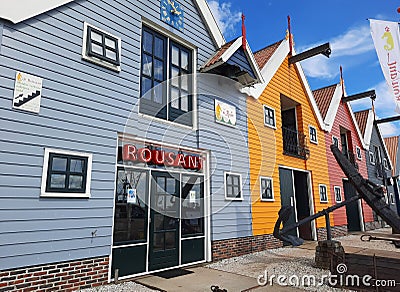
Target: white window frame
{"points": [[89, 157], [194, 49], [333, 141], [316, 134], [95, 60], [358, 150], [385, 164], [240, 186], [272, 189], [326, 191], [371, 157], [391, 199], [265, 108], [340, 192]]}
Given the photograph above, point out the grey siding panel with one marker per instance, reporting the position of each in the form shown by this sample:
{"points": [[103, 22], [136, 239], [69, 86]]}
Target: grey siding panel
{"points": [[83, 107], [239, 58], [229, 148], [375, 140]]}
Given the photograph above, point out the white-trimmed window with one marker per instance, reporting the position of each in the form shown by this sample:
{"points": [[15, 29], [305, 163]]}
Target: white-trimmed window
{"points": [[323, 194], [233, 186], [385, 164], [371, 158], [269, 117], [66, 174], [338, 194], [166, 78], [266, 189], [335, 141], [358, 153], [101, 47], [391, 199], [313, 134]]}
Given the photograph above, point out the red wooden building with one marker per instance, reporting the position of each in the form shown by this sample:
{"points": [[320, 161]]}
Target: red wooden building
{"points": [[343, 130]]}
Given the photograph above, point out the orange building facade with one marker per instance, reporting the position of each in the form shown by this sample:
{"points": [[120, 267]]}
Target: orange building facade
{"points": [[287, 151]]}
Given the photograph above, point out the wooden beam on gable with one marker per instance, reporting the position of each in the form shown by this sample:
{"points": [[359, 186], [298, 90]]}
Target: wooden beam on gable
{"points": [[371, 94], [324, 49], [388, 120]]}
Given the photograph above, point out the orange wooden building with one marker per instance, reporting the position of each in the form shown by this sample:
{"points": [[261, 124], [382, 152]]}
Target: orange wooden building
{"points": [[288, 160]]}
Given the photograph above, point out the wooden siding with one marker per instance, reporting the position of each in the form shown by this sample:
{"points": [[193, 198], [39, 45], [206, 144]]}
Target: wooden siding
{"points": [[336, 175], [266, 147], [83, 107], [229, 152], [376, 140]]}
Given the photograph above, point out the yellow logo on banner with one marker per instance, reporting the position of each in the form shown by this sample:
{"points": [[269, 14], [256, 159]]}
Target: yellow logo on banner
{"points": [[389, 40]]}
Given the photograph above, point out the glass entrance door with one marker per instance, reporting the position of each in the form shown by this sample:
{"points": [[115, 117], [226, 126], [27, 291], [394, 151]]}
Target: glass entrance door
{"points": [[164, 221]]}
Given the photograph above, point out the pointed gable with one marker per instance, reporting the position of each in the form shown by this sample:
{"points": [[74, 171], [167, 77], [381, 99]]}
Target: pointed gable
{"points": [[362, 119], [323, 98], [236, 62], [262, 56], [392, 145]]}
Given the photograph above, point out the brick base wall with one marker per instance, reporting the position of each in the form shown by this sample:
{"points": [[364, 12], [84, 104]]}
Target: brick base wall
{"points": [[337, 231], [65, 276], [222, 249]]}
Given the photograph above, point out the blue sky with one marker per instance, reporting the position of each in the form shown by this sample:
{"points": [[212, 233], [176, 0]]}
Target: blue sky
{"points": [[342, 23]]}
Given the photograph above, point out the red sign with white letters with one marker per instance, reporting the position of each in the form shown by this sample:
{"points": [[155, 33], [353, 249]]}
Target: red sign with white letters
{"points": [[161, 157]]}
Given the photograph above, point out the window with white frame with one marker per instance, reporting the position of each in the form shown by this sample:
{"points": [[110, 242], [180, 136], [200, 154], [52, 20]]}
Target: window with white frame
{"points": [[233, 186], [338, 194], [358, 153], [165, 80], [269, 117], [335, 141], [101, 47], [313, 134], [371, 158], [385, 163], [391, 199], [66, 174], [323, 195], [266, 189]]}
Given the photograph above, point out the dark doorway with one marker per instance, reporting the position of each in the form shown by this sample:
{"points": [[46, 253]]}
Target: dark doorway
{"points": [[164, 224], [302, 203], [352, 210], [287, 195]]}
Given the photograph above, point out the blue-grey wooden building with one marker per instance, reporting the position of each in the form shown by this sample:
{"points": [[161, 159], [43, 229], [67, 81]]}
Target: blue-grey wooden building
{"points": [[117, 154], [379, 164]]}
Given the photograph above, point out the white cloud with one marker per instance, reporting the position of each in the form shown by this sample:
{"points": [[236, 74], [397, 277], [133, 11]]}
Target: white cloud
{"points": [[354, 42], [226, 18], [388, 130]]}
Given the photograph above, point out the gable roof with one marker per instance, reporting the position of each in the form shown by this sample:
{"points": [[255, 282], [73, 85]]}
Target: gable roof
{"points": [[17, 11], [323, 98], [365, 120], [273, 56], [227, 51], [262, 56], [392, 145], [328, 100]]}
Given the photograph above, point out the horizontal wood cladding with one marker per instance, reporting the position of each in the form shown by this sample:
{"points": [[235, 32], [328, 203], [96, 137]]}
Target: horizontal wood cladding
{"points": [[83, 107], [343, 120], [266, 147]]}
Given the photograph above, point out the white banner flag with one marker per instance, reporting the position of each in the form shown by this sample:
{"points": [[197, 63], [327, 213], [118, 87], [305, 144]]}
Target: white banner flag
{"points": [[386, 37]]}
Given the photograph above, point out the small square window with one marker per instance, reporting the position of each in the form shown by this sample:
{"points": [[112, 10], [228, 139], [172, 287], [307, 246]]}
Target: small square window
{"points": [[385, 163], [313, 134], [358, 152], [338, 194], [66, 174], [101, 47], [233, 186], [266, 189], [269, 117], [323, 194], [335, 141], [371, 158]]}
